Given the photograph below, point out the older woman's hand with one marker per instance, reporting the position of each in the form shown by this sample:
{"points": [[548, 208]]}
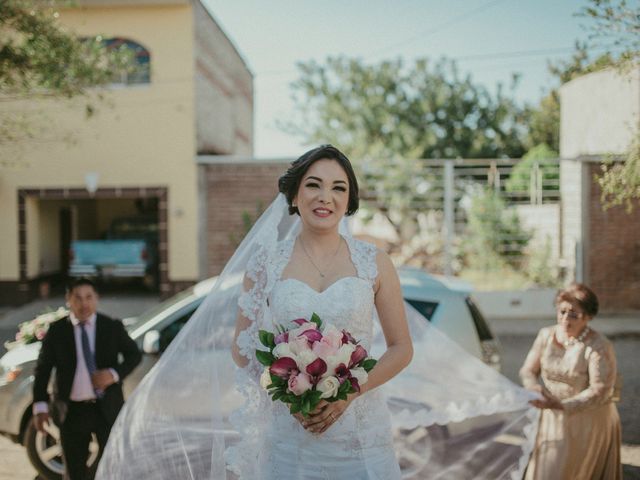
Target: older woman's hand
{"points": [[548, 400]]}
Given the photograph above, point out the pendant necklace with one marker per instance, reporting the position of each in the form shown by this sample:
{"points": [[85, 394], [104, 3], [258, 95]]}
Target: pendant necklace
{"points": [[314, 263]]}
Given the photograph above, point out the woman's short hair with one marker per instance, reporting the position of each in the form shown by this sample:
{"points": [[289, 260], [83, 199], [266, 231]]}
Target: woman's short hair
{"points": [[580, 295], [289, 183]]}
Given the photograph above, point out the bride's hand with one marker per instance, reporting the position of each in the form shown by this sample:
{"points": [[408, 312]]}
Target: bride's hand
{"points": [[326, 414]]}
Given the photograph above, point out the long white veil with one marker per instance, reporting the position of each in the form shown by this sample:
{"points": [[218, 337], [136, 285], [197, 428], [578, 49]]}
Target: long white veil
{"points": [[453, 416]]}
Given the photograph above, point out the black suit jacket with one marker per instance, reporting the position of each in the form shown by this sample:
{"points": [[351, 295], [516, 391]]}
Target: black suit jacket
{"points": [[59, 350]]}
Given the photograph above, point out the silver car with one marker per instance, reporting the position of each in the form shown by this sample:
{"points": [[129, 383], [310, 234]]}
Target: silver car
{"points": [[447, 305]]}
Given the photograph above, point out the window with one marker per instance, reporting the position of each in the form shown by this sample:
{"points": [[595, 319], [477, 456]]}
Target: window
{"points": [[141, 72], [170, 332], [426, 309]]}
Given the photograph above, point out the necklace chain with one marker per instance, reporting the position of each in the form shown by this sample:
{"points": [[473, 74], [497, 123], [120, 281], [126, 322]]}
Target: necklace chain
{"points": [[304, 248], [580, 338]]}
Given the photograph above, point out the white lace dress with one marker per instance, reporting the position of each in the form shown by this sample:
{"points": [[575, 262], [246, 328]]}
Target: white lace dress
{"points": [[360, 444]]}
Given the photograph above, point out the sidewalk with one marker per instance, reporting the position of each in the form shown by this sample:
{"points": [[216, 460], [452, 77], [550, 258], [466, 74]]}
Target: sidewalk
{"points": [[613, 326]]}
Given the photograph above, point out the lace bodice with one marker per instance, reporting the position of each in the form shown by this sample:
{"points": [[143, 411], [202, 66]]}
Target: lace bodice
{"points": [[347, 303]]}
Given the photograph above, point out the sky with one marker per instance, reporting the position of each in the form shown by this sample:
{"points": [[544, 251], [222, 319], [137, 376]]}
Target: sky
{"points": [[491, 40]]}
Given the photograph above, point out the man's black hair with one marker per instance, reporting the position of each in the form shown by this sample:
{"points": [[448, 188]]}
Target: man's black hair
{"points": [[78, 282]]}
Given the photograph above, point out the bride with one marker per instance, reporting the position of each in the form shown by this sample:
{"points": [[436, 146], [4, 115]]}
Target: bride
{"points": [[341, 279], [428, 409]]}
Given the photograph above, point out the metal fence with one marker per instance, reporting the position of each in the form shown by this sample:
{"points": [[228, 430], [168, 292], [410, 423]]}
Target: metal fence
{"points": [[452, 203]]}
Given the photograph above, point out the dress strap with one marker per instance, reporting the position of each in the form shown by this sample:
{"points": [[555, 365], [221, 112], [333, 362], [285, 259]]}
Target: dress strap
{"points": [[363, 256]]}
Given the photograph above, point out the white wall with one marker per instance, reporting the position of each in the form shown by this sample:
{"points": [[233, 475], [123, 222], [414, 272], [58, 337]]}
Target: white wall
{"points": [[599, 113]]}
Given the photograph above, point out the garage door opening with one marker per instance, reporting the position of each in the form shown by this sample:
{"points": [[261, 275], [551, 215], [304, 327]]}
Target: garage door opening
{"points": [[116, 236]]}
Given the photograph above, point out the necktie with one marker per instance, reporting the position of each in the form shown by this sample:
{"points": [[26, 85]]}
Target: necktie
{"points": [[89, 359]]}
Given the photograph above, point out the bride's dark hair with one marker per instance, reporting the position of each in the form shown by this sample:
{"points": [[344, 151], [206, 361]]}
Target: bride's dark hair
{"points": [[289, 183]]}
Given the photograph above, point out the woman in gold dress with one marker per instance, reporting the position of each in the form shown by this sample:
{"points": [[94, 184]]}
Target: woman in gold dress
{"points": [[579, 432]]}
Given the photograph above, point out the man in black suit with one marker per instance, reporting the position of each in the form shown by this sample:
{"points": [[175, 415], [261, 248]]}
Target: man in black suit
{"points": [[84, 349]]}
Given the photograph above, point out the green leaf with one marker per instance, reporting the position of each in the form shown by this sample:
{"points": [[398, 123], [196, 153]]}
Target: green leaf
{"points": [[315, 395], [276, 380], [265, 358], [368, 364], [294, 408], [267, 339], [277, 396], [315, 318]]}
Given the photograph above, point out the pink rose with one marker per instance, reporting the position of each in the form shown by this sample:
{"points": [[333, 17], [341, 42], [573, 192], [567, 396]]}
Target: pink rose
{"points": [[299, 384], [282, 338], [324, 349]]}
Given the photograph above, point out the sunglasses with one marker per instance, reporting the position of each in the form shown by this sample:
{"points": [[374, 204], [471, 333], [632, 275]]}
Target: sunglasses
{"points": [[570, 314]]}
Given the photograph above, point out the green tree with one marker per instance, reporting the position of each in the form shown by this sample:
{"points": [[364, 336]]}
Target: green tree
{"points": [[423, 110], [616, 24], [40, 59], [545, 158], [388, 115], [494, 237], [620, 181]]}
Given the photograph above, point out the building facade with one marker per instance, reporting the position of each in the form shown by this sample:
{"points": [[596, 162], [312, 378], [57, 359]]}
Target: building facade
{"points": [[600, 118], [137, 155]]}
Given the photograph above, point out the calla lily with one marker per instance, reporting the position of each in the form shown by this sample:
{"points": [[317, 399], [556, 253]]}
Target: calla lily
{"points": [[312, 335], [355, 384], [342, 372], [347, 337], [284, 367], [358, 355], [317, 368]]}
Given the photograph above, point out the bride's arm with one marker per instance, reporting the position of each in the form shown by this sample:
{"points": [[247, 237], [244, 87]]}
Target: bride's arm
{"points": [[393, 320]]}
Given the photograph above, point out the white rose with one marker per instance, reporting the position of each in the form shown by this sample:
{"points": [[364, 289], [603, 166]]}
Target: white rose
{"points": [[360, 374], [344, 354], [265, 378], [283, 350], [304, 358], [329, 387]]}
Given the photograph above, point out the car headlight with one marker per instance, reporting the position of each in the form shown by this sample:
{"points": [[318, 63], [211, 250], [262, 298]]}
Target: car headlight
{"points": [[8, 375]]}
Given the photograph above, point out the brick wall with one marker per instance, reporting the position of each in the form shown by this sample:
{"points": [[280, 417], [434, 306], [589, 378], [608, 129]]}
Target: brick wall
{"points": [[612, 254], [232, 190]]}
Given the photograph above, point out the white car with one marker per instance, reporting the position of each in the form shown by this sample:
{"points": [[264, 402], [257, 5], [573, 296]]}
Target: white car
{"points": [[445, 304]]}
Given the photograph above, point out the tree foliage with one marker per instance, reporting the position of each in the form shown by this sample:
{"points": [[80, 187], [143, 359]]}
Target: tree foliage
{"points": [[494, 236], [39, 58], [620, 181], [545, 159], [423, 110]]}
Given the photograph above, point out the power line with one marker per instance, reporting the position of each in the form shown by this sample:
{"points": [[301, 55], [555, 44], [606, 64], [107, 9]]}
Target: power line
{"points": [[438, 28], [479, 57]]}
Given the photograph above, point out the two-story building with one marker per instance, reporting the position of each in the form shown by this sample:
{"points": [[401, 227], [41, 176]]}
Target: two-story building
{"points": [[192, 95]]}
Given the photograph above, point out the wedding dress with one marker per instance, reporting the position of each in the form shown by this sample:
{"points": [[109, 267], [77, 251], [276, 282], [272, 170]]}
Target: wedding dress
{"points": [[360, 444], [197, 416]]}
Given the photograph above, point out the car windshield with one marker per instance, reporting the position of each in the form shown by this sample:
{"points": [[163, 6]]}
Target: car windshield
{"points": [[168, 304]]}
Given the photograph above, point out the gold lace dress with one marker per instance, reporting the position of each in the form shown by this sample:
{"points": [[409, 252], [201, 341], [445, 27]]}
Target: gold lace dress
{"points": [[581, 442]]}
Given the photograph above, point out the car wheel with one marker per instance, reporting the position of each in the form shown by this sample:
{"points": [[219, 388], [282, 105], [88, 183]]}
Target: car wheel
{"points": [[44, 450]]}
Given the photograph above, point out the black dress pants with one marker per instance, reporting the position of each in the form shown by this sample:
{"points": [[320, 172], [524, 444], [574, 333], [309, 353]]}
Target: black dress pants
{"points": [[82, 419]]}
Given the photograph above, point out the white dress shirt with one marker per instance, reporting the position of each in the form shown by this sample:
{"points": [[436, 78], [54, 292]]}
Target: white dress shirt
{"points": [[81, 388]]}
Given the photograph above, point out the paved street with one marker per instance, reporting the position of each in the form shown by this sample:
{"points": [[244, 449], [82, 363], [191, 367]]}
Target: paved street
{"points": [[516, 338]]}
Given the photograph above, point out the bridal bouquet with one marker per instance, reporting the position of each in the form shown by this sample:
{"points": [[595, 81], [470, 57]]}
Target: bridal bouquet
{"points": [[310, 363]]}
